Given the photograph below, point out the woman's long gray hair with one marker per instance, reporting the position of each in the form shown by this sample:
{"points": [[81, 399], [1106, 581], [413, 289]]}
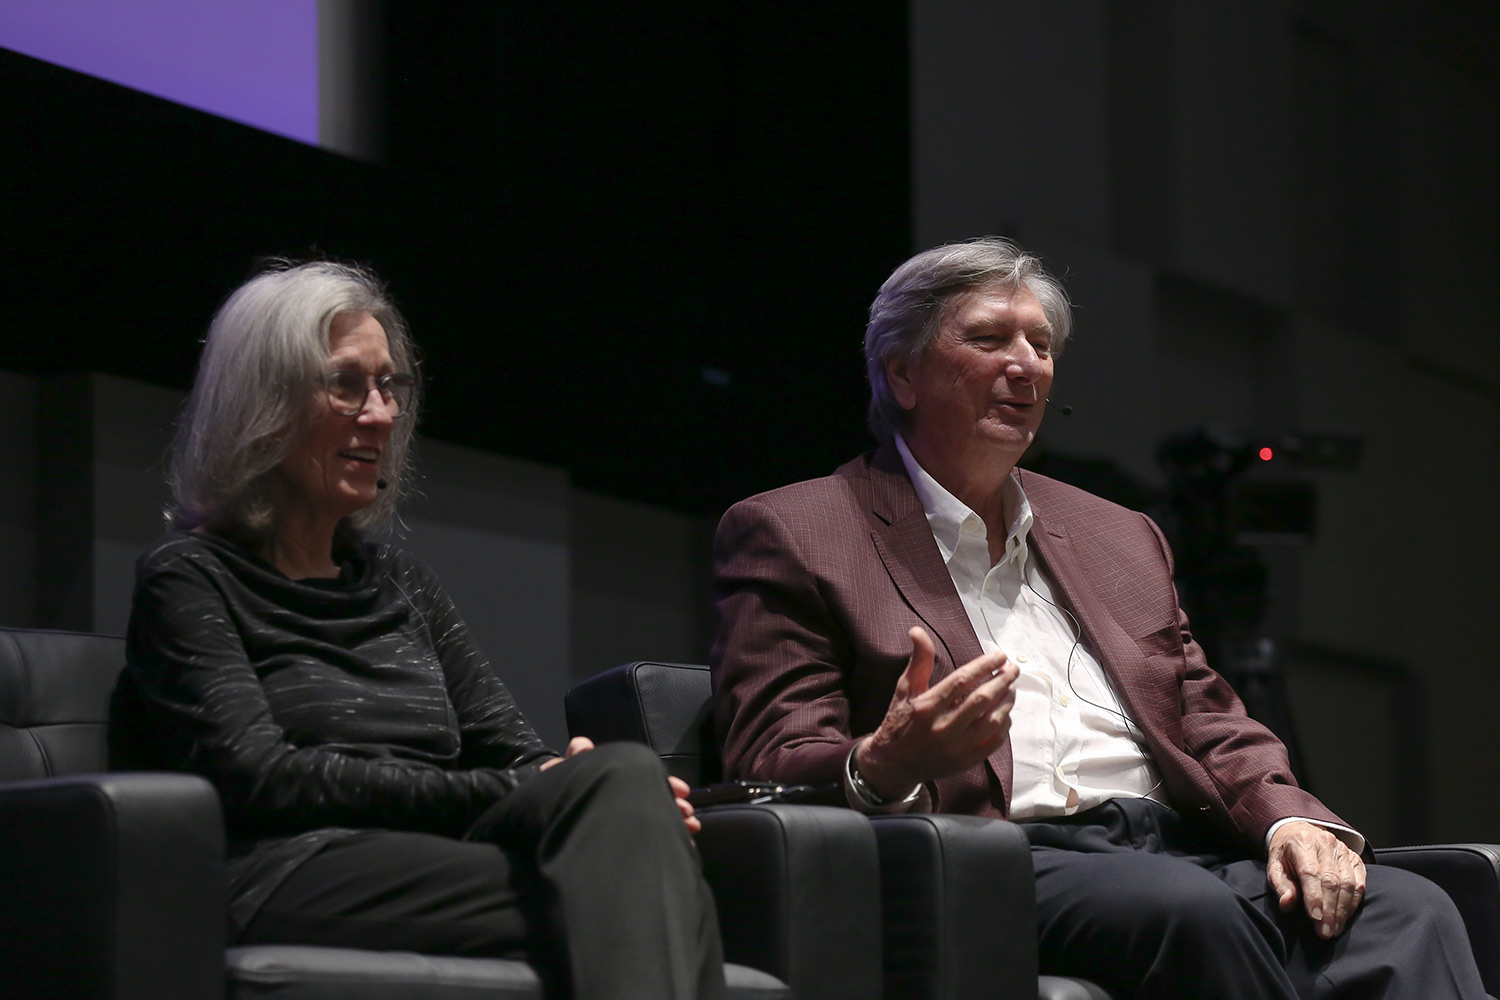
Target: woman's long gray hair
{"points": [[265, 354]]}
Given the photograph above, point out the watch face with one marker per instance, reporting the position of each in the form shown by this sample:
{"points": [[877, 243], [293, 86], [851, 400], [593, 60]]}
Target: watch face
{"points": [[867, 794]]}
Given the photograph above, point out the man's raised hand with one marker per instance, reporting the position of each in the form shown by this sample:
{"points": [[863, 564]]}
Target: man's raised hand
{"points": [[932, 732]]}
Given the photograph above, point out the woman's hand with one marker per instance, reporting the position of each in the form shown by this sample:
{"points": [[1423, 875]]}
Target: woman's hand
{"points": [[576, 746], [680, 793], [582, 744]]}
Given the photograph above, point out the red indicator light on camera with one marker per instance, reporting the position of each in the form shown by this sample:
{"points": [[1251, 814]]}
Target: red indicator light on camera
{"points": [[1266, 454]]}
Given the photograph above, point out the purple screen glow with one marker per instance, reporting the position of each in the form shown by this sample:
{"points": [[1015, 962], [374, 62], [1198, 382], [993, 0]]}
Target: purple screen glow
{"points": [[252, 61]]}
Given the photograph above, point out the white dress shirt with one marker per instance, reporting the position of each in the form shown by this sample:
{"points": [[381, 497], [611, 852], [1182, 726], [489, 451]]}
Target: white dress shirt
{"points": [[1072, 745]]}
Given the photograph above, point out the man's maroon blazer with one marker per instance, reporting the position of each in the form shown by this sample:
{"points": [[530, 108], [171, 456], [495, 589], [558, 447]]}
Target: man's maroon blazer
{"points": [[817, 584]]}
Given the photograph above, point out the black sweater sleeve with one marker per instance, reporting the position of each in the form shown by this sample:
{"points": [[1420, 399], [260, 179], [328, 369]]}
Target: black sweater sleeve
{"points": [[494, 732]]}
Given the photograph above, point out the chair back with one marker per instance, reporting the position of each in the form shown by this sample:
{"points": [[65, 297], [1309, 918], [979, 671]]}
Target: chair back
{"points": [[667, 706], [55, 692]]}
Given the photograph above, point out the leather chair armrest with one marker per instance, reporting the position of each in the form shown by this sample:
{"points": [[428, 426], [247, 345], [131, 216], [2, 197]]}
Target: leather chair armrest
{"points": [[1470, 874], [113, 888], [959, 899], [959, 895], [1063, 988], [798, 893]]}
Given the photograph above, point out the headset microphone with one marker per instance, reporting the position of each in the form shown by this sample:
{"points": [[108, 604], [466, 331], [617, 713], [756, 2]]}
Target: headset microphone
{"points": [[381, 484], [1065, 410]]}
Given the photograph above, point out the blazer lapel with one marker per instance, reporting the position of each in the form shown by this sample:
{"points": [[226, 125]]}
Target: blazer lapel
{"points": [[1070, 570], [903, 538]]}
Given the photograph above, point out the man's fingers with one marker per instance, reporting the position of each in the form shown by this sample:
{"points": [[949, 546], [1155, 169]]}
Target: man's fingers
{"points": [[918, 672], [1356, 897], [994, 693], [996, 728], [1000, 716], [1286, 889], [1318, 872], [1351, 889], [1001, 685], [1313, 896], [1330, 876], [1343, 908], [968, 680]]}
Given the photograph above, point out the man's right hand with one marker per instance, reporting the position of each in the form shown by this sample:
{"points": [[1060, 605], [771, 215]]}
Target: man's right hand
{"points": [[932, 732]]}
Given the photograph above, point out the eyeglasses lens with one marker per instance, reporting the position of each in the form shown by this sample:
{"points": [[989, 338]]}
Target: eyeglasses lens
{"points": [[350, 390]]}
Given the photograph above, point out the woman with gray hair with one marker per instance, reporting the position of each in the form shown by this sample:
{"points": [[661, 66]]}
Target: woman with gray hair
{"points": [[380, 787]]}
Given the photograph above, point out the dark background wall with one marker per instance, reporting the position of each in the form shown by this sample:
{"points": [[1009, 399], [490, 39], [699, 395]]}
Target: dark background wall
{"points": [[1273, 217], [581, 207], [636, 243]]}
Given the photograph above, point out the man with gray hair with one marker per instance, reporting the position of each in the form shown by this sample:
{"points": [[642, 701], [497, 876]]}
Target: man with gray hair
{"points": [[932, 628]]}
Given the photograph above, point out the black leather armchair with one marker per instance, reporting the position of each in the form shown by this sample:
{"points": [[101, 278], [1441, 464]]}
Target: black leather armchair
{"points": [[1470, 874], [113, 884], [957, 892]]}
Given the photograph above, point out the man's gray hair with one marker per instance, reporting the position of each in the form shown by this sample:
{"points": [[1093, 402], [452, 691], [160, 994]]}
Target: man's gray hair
{"points": [[906, 314], [265, 356]]}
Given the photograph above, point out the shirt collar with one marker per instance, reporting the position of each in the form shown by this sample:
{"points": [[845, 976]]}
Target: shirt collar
{"points": [[950, 518]]}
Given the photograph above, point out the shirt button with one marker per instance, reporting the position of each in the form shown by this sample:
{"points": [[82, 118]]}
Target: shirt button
{"points": [[1062, 700], [1022, 657]]}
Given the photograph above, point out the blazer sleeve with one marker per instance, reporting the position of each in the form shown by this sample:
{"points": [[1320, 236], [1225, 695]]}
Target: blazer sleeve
{"points": [[210, 716], [1247, 763], [781, 657]]}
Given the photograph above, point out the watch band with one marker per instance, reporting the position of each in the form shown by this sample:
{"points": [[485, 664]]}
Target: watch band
{"points": [[867, 795]]}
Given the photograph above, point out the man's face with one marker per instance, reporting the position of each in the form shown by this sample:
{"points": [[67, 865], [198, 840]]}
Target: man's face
{"points": [[981, 387]]}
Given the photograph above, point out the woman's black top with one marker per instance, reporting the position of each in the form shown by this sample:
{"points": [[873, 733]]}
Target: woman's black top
{"points": [[317, 707]]}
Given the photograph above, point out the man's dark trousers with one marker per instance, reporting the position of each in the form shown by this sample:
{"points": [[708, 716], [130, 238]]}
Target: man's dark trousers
{"points": [[1135, 898]]}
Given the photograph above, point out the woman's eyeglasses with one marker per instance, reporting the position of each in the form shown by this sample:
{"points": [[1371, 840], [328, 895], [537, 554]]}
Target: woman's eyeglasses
{"points": [[349, 391]]}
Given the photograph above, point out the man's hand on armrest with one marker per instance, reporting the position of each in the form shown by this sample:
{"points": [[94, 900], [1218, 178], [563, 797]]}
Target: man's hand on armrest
{"points": [[932, 732]]}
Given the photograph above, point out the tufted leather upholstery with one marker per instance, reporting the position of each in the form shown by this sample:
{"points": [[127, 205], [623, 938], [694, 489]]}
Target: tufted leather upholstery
{"points": [[667, 706], [53, 722]]}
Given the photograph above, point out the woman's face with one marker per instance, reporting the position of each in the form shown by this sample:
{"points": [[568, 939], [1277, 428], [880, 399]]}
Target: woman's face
{"points": [[332, 471]]}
